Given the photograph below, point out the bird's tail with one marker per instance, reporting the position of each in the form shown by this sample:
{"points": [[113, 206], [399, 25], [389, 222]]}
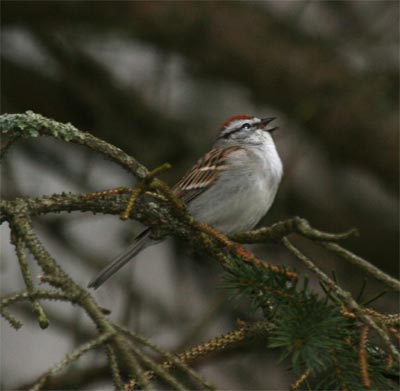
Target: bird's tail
{"points": [[141, 241]]}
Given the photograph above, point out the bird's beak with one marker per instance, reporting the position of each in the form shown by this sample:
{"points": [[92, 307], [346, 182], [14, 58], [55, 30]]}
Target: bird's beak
{"points": [[265, 122]]}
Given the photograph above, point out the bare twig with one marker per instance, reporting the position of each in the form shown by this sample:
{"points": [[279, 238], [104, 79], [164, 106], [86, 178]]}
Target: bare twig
{"points": [[39, 294], [301, 226], [70, 358], [281, 229], [10, 318], [167, 215], [21, 223], [156, 369], [358, 261], [113, 364], [179, 363], [37, 307]]}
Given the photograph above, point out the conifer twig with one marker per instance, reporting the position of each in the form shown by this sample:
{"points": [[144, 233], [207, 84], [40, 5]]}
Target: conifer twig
{"points": [[42, 294], [114, 367], [36, 306], [363, 357], [18, 214], [150, 176], [14, 322], [167, 215], [300, 380], [227, 341], [170, 358], [70, 358], [301, 226], [346, 297], [156, 369]]}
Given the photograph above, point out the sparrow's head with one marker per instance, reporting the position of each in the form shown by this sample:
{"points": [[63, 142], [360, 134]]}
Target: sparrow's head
{"points": [[246, 129]]}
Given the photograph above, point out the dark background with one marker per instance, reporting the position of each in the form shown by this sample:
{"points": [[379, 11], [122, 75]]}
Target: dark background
{"points": [[157, 79]]}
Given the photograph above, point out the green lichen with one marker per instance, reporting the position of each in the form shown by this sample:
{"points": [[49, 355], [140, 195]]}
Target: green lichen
{"points": [[31, 124]]}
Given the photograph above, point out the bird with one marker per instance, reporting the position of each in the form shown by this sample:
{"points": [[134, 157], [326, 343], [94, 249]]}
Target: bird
{"points": [[230, 188]]}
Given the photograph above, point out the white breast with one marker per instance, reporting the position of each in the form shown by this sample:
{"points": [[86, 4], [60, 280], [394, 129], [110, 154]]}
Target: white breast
{"points": [[243, 194]]}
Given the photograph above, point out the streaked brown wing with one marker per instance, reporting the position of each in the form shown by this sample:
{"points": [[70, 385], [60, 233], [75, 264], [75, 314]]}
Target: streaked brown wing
{"points": [[204, 173]]}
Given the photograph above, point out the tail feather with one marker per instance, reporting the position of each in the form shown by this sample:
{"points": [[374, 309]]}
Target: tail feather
{"points": [[141, 241]]}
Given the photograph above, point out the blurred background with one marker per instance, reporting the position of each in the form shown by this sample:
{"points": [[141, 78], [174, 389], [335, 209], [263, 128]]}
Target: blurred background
{"points": [[157, 79]]}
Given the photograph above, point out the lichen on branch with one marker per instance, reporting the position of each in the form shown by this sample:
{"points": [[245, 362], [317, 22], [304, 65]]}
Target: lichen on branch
{"points": [[321, 336]]}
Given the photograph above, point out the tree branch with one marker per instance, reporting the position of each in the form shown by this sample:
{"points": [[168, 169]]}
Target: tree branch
{"points": [[33, 125], [280, 230], [153, 203], [348, 301], [37, 307]]}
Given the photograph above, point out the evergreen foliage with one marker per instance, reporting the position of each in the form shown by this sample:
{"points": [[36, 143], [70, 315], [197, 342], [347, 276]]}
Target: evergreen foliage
{"points": [[311, 331], [327, 340]]}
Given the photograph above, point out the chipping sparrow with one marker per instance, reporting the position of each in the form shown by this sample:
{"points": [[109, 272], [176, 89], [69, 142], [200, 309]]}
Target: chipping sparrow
{"points": [[230, 188]]}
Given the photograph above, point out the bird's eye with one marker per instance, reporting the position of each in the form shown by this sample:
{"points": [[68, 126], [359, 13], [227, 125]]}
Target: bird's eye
{"points": [[246, 126]]}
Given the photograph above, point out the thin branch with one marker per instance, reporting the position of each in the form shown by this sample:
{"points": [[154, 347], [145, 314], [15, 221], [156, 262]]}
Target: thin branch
{"points": [[167, 215], [14, 322], [170, 358], [346, 297], [31, 124], [70, 358], [156, 369], [7, 144], [363, 357], [140, 374], [23, 226], [300, 380], [227, 341], [37, 307], [113, 364], [281, 229], [358, 261], [36, 294]]}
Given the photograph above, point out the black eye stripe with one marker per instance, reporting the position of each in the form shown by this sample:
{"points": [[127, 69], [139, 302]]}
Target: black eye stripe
{"points": [[226, 135], [245, 126]]}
